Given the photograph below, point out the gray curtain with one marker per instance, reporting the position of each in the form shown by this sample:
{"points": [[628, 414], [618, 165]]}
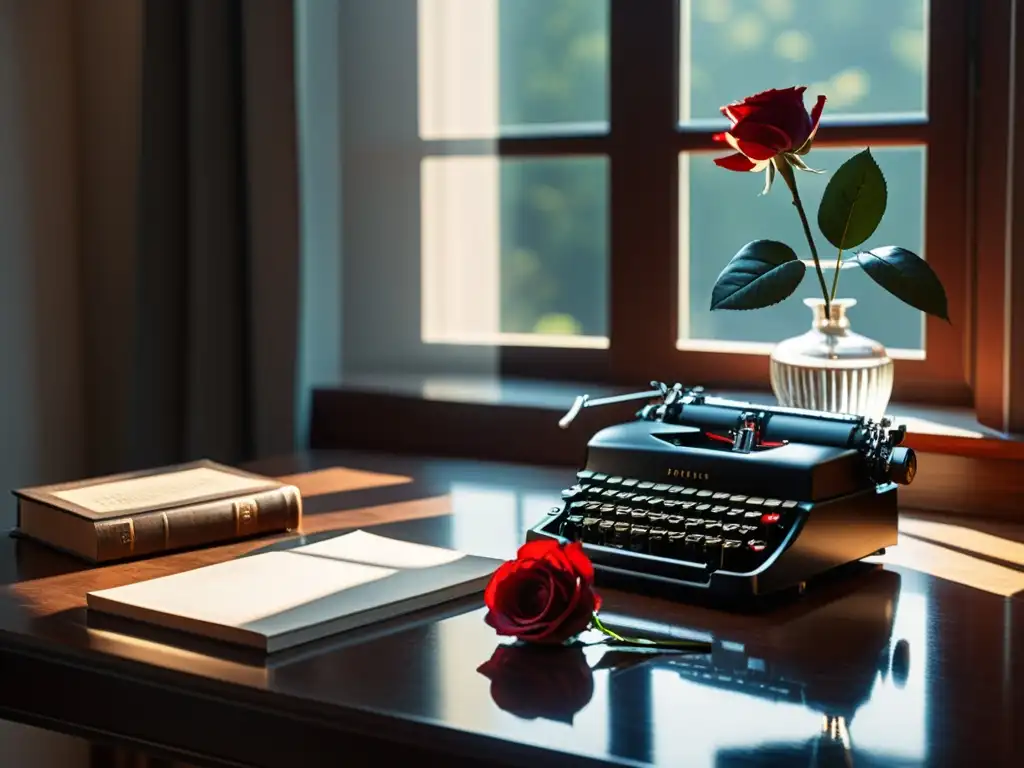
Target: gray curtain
{"points": [[191, 278]]}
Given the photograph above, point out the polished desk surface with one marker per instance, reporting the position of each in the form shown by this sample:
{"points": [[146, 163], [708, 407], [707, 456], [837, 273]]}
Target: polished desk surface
{"points": [[915, 661]]}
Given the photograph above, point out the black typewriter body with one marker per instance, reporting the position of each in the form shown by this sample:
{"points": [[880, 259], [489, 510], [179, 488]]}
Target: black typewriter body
{"points": [[730, 500]]}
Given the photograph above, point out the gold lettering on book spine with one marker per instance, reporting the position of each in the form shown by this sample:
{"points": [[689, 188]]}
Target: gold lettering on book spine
{"points": [[127, 535], [246, 514]]}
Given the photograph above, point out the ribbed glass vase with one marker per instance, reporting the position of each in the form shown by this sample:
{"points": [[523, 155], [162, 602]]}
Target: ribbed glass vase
{"points": [[831, 368]]}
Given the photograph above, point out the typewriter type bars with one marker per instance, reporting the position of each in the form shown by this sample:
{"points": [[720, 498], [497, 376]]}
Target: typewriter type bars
{"points": [[739, 517]]}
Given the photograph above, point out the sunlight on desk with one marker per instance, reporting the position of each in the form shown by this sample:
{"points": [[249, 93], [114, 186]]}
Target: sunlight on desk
{"points": [[321, 482], [950, 565], [963, 538]]}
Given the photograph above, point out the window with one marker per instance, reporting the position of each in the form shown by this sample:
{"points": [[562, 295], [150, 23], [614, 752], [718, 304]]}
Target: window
{"points": [[529, 186]]}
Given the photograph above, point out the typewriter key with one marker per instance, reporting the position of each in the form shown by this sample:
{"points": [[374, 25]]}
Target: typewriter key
{"points": [[645, 486], [720, 495], [676, 544], [738, 499], [688, 491], [625, 495], [655, 501], [604, 531], [730, 527], [629, 482], [788, 504], [713, 552], [735, 513], [584, 474], [719, 511], [693, 524], [674, 521], [614, 480], [750, 517], [662, 487], [694, 547], [591, 530], [746, 530], [579, 506], [730, 552], [609, 493], [641, 499], [593, 506], [620, 536], [757, 501], [702, 508], [655, 518], [599, 477], [670, 504], [571, 527], [623, 514], [638, 537], [675, 490], [705, 494], [770, 518], [607, 510], [772, 502], [756, 545], [572, 492], [639, 517], [657, 541], [686, 504], [712, 526]]}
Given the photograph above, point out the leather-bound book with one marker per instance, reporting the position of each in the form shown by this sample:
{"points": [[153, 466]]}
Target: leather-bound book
{"points": [[136, 514]]}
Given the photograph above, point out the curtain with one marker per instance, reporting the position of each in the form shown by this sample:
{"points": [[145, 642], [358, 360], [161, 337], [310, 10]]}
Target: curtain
{"points": [[191, 281]]}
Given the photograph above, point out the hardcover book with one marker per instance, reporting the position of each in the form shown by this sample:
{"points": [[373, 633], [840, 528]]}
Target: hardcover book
{"points": [[280, 599], [130, 515]]}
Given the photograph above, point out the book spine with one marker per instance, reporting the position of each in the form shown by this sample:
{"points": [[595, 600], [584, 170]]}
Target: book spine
{"points": [[272, 511]]}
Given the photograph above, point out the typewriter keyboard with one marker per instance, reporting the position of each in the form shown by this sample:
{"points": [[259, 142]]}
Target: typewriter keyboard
{"points": [[715, 529]]}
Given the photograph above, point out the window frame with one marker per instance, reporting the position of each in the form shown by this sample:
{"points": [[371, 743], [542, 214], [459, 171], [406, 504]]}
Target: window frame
{"points": [[642, 144]]}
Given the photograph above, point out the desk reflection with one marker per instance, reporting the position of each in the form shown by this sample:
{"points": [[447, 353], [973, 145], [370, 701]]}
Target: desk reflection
{"points": [[792, 688]]}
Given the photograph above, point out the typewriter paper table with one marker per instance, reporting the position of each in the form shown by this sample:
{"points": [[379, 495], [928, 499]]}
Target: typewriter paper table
{"points": [[904, 667]]}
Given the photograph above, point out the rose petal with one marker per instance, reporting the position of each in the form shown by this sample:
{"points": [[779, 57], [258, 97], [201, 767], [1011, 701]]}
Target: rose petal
{"points": [[581, 564], [735, 162], [816, 111], [504, 571], [537, 549], [774, 95], [532, 596], [759, 141]]}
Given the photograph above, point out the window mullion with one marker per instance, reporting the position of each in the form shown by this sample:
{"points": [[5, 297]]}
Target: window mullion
{"points": [[643, 188]]}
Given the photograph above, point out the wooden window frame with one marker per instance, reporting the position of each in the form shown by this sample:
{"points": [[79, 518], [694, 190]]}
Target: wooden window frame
{"points": [[975, 207], [643, 144]]}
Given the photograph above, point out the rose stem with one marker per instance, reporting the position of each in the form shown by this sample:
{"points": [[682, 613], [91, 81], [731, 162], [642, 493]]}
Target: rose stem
{"points": [[835, 277], [786, 171]]}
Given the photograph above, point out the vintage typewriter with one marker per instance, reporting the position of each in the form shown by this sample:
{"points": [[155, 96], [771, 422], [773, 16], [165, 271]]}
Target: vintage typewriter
{"points": [[704, 495]]}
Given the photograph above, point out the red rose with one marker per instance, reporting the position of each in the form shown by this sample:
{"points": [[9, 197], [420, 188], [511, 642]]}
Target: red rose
{"points": [[546, 595], [766, 125]]}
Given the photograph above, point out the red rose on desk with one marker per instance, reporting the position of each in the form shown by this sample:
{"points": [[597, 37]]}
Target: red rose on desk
{"points": [[546, 595], [531, 682], [768, 124]]}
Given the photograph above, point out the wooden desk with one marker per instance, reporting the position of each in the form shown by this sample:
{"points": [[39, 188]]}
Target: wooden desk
{"points": [[918, 668]]}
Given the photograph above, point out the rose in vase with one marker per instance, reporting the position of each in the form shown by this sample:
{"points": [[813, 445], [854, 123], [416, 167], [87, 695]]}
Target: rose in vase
{"points": [[772, 132]]}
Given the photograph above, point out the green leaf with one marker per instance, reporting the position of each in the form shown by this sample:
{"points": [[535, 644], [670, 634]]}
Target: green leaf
{"points": [[907, 277], [854, 202], [763, 273]]}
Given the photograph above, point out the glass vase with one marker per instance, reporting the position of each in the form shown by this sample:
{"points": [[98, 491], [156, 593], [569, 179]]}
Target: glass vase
{"points": [[831, 368]]}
